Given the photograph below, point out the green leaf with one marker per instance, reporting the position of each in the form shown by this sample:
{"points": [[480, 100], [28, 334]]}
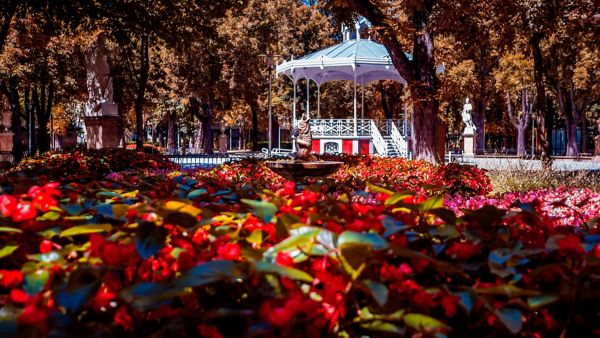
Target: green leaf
{"points": [[196, 193], [378, 325], [262, 209], [511, 318], [376, 189], [378, 290], [49, 216], [305, 236], [206, 273], [508, 290], [8, 250], [431, 203], [399, 196], [535, 302], [182, 207], [9, 229], [255, 237], [149, 239], [373, 240], [35, 281], [423, 323], [86, 229], [284, 271]]}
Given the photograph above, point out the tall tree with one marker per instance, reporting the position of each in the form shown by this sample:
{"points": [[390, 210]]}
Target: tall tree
{"points": [[514, 79], [391, 20]]}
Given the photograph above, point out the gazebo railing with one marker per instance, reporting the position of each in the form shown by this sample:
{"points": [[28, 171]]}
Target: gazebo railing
{"points": [[339, 127]]}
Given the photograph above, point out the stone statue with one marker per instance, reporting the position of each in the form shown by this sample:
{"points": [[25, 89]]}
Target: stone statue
{"points": [[99, 81], [468, 119], [304, 141]]}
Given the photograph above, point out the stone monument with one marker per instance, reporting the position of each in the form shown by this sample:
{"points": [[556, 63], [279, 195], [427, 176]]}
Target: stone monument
{"points": [[469, 131], [6, 136], [222, 139], [103, 127]]}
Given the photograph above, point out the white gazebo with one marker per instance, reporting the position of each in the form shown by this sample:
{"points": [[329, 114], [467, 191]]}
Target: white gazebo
{"points": [[361, 61]]}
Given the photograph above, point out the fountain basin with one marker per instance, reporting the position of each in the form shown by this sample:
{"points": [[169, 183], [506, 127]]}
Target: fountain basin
{"points": [[298, 169]]}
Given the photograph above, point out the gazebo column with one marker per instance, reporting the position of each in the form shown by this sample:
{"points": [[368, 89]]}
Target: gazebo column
{"points": [[307, 98], [318, 100], [355, 122], [362, 104], [294, 80]]}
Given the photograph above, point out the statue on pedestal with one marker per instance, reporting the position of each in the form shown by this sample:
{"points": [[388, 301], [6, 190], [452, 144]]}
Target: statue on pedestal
{"points": [[304, 141], [468, 119], [99, 81]]}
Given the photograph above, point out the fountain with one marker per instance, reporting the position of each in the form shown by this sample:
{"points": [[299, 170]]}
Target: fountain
{"points": [[303, 163]]}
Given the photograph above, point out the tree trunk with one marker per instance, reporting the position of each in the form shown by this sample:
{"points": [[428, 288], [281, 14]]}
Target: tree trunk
{"points": [[521, 141], [14, 101], [571, 129], [30, 117], [545, 115], [428, 128], [207, 139], [172, 132], [254, 136], [42, 100], [584, 127], [479, 122], [141, 90]]}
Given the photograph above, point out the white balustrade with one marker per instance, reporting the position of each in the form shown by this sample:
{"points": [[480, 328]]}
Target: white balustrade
{"points": [[378, 141], [399, 141]]}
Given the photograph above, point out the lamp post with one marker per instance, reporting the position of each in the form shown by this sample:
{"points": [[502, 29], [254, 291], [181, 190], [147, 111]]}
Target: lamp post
{"points": [[270, 60]]}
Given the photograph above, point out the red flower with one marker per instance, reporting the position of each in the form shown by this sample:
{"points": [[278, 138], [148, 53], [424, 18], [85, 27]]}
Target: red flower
{"points": [[23, 212], [570, 243], [47, 246], [44, 198], [284, 258], [229, 251], [462, 251], [289, 188], [395, 273], [209, 331], [10, 279], [34, 315], [8, 204], [18, 296], [449, 303], [112, 253], [123, 318]]}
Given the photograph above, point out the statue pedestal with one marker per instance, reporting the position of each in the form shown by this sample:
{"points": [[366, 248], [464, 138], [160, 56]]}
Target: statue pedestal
{"points": [[223, 144], [6, 142], [596, 148], [102, 131], [469, 145]]}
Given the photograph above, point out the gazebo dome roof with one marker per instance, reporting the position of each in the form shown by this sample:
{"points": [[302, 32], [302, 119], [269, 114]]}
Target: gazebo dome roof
{"points": [[357, 60]]}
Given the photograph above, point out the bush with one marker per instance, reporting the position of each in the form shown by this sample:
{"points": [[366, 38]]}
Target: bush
{"points": [[520, 180], [182, 257], [88, 164]]}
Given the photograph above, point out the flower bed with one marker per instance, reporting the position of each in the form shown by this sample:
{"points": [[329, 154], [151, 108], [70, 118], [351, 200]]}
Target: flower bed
{"points": [[216, 253]]}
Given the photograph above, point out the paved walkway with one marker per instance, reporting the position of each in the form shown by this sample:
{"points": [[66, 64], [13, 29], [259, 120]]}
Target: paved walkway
{"points": [[488, 162]]}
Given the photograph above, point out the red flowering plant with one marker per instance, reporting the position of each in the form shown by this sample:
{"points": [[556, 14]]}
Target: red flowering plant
{"points": [[181, 255]]}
